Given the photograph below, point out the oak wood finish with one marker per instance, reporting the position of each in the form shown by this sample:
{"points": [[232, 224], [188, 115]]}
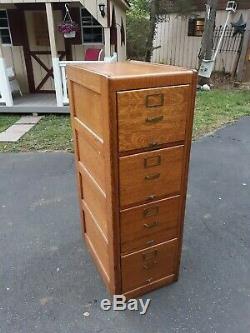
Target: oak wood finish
{"points": [[146, 266], [149, 224], [149, 117], [132, 126], [148, 176]]}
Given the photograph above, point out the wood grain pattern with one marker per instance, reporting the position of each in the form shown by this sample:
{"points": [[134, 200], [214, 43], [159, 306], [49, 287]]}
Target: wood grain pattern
{"points": [[125, 184], [149, 224], [162, 282], [92, 159], [145, 266], [152, 116], [89, 109], [95, 200], [141, 184]]}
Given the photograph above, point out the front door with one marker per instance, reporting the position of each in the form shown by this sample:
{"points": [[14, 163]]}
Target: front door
{"points": [[41, 73]]}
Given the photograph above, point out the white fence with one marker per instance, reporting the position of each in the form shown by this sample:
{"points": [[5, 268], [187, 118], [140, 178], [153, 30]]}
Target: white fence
{"points": [[60, 80], [175, 47]]}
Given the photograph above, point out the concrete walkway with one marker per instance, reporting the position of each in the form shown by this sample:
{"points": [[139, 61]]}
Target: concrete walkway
{"points": [[19, 128], [47, 279]]}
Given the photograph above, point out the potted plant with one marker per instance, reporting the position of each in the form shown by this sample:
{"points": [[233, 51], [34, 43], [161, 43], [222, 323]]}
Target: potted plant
{"points": [[68, 29]]}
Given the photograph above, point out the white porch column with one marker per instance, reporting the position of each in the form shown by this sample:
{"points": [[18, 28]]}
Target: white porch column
{"points": [[5, 89], [107, 42], [55, 58]]}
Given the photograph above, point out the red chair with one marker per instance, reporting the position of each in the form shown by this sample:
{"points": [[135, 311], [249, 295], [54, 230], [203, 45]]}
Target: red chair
{"points": [[93, 54]]}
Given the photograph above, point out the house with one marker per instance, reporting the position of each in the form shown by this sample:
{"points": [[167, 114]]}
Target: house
{"points": [[178, 39], [36, 53]]}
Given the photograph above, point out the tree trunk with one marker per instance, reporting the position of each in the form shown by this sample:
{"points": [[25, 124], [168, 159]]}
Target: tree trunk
{"points": [[206, 50], [152, 31]]}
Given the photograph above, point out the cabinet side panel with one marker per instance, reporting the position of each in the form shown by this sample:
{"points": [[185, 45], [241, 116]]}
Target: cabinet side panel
{"points": [[94, 200], [112, 184], [87, 120], [88, 108], [188, 141], [98, 245]]}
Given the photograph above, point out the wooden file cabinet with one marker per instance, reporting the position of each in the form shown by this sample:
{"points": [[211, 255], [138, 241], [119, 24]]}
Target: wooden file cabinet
{"points": [[132, 125]]}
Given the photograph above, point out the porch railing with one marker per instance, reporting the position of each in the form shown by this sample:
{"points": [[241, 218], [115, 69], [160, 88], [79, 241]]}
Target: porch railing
{"points": [[63, 77], [5, 91]]}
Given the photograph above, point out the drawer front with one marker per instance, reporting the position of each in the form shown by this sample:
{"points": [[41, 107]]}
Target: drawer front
{"points": [[150, 117], [149, 224], [144, 267], [147, 176]]}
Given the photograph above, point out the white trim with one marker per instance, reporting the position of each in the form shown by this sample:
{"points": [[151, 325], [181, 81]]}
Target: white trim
{"points": [[58, 81], [5, 90], [63, 78], [94, 44]]}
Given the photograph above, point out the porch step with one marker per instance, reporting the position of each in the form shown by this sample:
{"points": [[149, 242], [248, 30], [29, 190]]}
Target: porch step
{"points": [[17, 130], [34, 103], [34, 109]]}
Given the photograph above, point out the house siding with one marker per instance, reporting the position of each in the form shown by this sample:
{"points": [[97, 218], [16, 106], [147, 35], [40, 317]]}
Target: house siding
{"points": [[14, 55]]}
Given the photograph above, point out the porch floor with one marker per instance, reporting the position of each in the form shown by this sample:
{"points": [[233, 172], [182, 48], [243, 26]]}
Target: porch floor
{"points": [[34, 103]]}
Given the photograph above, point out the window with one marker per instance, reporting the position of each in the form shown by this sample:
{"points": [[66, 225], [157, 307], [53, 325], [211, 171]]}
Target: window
{"points": [[92, 31], [4, 28], [196, 27]]}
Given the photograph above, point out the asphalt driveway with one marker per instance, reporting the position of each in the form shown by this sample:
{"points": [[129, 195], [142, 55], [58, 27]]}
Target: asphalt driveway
{"points": [[48, 281]]}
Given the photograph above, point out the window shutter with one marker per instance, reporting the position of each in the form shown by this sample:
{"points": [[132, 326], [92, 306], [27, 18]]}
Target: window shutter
{"points": [[17, 26], [113, 31]]}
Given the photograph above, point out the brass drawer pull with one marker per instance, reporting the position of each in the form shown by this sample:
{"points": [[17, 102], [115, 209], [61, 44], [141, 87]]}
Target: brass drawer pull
{"points": [[152, 161], [154, 100], [154, 119], [150, 242], [150, 259], [151, 225], [153, 144], [152, 176], [151, 211], [151, 197], [149, 280]]}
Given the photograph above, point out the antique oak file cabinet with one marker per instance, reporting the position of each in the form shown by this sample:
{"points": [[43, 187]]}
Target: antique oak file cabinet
{"points": [[132, 125]]}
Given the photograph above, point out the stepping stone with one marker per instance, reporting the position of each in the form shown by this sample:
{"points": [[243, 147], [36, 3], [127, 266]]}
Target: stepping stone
{"points": [[28, 120], [21, 127]]}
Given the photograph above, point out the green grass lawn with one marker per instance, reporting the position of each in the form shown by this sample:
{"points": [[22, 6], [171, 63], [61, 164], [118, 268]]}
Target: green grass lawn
{"points": [[213, 110]]}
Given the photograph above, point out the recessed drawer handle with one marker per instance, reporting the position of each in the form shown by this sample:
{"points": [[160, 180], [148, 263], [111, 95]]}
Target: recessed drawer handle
{"points": [[151, 225], [153, 176], [154, 119]]}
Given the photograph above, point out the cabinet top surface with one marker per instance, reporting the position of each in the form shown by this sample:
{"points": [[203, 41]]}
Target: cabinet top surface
{"points": [[131, 69]]}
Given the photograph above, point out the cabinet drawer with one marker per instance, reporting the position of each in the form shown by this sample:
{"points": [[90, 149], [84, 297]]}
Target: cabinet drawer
{"points": [[147, 176], [150, 117], [149, 224], [144, 267]]}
